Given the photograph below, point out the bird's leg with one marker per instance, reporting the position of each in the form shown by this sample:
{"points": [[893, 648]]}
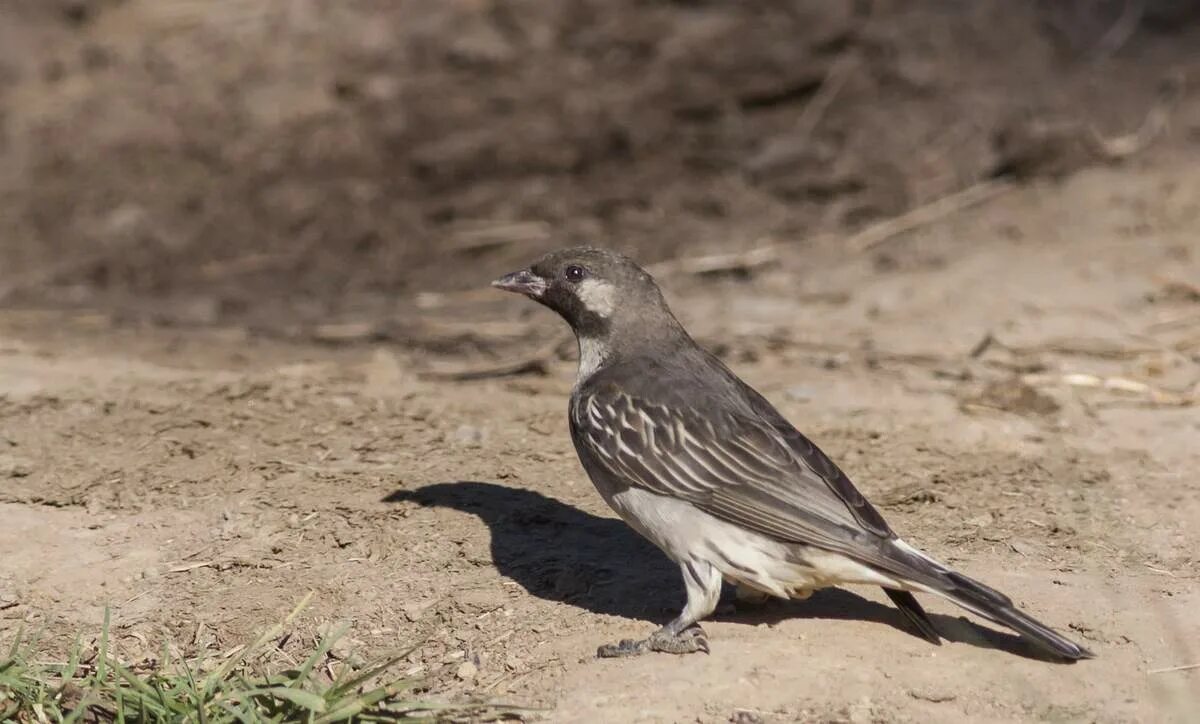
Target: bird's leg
{"points": [[683, 635]]}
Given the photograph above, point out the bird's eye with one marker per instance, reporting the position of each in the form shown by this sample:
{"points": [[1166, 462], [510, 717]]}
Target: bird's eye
{"points": [[575, 274]]}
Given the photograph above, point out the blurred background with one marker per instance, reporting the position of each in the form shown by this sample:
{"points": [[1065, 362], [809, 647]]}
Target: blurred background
{"points": [[247, 347], [274, 163]]}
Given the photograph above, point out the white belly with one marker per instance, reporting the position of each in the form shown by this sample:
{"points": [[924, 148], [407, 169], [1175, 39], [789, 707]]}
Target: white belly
{"points": [[787, 570]]}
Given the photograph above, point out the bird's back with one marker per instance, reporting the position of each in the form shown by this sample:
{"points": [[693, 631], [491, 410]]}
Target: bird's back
{"points": [[690, 383]]}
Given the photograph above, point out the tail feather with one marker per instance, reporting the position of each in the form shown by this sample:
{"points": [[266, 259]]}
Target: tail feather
{"points": [[984, 601], [912, 610], [980, 600]]}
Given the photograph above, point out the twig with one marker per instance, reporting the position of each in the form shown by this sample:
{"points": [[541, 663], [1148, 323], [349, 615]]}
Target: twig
{"points": [[982, 346], [1177, 289], [781, 151], [248, 264], [743, 262], [197, 552], [129, 600], [831, 86], [1097, 347], [50, 274], [477, 238], [192, 567], [1124, 385], [1181, 322], [1156, 121], [434, 300], [1094, 347], [219, 565], [973, 195], [537, 361], [346, 332], [425, 331], [1121, 30], [1170, 669]]}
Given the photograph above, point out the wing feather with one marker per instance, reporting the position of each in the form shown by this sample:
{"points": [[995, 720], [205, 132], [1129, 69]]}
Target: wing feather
{"points": [[753, 470]]}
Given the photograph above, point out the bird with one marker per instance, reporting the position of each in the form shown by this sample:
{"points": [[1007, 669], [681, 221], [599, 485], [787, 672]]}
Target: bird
{"points": [[698, 462]]}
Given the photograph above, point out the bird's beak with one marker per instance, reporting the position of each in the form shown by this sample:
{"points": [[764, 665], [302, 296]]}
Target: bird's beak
{"points": [[522, 282]]}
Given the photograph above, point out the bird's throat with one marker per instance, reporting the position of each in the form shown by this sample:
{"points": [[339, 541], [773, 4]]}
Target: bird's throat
{"points": [[592, 353]]}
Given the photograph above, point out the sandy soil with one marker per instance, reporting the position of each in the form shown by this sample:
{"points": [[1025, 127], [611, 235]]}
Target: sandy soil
{"points": [[225, 291], [200, 483]]}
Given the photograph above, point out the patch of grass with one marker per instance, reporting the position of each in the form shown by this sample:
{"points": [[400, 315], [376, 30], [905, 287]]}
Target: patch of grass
{"points": [[99, 688]]}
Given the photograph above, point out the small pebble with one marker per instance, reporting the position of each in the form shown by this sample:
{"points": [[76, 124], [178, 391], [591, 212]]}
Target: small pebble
{"points": [[469, 435], [467, 671]]}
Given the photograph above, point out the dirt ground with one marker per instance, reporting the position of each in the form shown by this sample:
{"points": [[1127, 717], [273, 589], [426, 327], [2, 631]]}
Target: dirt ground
{"points": [[231, 289]]}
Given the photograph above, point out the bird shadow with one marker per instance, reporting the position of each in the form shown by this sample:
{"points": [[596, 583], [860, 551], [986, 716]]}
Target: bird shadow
{"points": [[560, 553]]}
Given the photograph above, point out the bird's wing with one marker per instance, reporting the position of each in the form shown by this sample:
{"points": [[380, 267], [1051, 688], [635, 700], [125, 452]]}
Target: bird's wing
{"points": [[741, 466]]}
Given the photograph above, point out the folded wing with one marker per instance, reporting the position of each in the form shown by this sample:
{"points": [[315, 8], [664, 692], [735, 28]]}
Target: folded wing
{"points": [[748, 469]]}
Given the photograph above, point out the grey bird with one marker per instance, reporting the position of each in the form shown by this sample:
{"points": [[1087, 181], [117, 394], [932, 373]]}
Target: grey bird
{"points": [[698, 462]]}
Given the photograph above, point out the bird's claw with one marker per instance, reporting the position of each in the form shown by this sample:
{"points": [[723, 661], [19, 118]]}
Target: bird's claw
{"points": [[625, 647], [689, 641]]}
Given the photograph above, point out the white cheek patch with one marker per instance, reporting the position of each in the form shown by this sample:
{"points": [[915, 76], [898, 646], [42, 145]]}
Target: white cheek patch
{"points": [[599, 297]]}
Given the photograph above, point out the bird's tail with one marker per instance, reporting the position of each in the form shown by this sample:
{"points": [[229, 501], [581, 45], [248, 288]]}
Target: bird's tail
{"points": [[988, 603]]}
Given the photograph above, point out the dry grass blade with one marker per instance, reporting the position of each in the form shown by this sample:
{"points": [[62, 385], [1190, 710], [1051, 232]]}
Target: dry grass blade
{"points": [[973, 195], [1172, 669]]}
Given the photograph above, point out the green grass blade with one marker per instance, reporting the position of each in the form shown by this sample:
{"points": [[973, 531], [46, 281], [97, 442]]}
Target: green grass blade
{"points": [[147, 696], [113, 691], [16, 644], [72, 667], [241, 711], [102, 658], [359, 704], [344, 687], [136, 682], [301, 698], [274, 631], [323, 648]]}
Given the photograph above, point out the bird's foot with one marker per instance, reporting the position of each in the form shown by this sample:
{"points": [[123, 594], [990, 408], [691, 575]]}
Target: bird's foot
{"points": [[689, 641]]}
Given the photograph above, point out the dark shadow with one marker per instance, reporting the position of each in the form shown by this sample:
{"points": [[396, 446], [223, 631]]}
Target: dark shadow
{"points": [[838, 604], [560, 553]]}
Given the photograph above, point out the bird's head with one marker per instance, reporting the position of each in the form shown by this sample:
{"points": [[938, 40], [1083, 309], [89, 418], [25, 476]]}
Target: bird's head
{"points": [[598, 292]]}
